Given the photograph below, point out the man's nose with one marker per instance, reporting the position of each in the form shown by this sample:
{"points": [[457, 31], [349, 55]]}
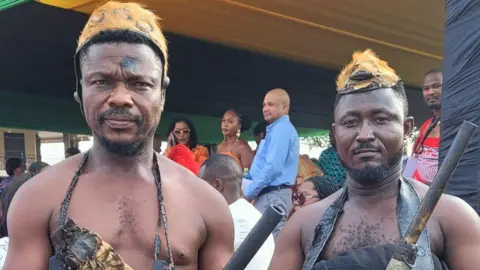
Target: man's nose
{"points": [[120, 97], [429, 91], [365, 134]]}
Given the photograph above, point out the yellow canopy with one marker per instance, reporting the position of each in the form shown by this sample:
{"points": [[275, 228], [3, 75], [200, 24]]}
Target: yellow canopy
{"points": [[408, 34]]}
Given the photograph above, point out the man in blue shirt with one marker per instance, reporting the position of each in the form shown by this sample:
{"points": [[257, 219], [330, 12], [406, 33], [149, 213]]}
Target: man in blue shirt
{"points": [[274, 168]]}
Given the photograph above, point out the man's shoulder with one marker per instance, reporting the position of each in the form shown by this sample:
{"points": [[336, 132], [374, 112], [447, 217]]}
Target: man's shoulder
{"points": [[56, 176], [321, 206], [182, 181], [308, 218], [449, 209], [176, 174], [313, 214], [284, 125], [47, 189]]}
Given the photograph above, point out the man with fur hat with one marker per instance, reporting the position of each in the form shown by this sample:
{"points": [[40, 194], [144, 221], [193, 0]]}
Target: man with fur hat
{"points": [[108, 208], [359, 226]]}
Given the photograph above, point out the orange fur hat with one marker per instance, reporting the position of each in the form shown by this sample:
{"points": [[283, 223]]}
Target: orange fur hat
{"points": [[366, 72], [122, 16], [125, 16]]}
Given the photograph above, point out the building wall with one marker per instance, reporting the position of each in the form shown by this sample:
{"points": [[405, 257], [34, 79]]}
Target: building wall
{"points": [[30, 147]]}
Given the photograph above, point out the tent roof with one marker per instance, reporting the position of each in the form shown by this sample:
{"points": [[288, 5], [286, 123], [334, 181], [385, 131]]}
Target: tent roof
{"points": [[319, 32], [38, 42]]}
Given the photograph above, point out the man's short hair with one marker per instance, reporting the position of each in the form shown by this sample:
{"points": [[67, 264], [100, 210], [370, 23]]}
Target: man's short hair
{"points": [[399, 93], [13, 164], [36, 167], [260, 128], [222, 166], [72, 151], [120, 36], [433, 71]]}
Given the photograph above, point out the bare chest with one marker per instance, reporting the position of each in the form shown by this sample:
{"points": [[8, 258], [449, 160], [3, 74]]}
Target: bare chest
{"points": [[126, 217], [357, 228]]}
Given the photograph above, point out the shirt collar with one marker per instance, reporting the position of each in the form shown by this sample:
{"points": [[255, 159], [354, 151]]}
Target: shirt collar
{"points": [[279, 120]]}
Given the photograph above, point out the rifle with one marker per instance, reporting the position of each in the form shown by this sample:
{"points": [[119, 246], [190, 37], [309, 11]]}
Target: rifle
{"points": [[255, 239], [405, 256]]}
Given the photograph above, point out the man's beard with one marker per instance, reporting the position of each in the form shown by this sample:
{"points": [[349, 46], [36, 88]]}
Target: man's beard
{"points": [[435, 106], [370, 175], [127, 149]]}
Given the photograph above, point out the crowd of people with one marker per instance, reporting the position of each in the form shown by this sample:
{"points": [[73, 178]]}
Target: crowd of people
{"points": [[124, 205]]}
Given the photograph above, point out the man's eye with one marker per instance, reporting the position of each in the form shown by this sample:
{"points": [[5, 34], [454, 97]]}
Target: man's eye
{"points": [[141, 85], [100, 82], [381, 120], [349, 123]]}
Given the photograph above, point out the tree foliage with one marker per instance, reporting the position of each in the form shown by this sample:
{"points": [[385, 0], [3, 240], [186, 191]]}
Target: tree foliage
{"points": [[322, 141]]}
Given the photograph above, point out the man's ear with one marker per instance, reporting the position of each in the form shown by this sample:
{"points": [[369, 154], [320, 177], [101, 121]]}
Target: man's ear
{"points": [[408, 125], [166, 83], [76, 97], [333, 130], [219, 184]]}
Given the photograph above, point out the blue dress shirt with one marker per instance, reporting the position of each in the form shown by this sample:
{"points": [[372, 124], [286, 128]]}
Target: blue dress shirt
{"points": [[276, 160]]}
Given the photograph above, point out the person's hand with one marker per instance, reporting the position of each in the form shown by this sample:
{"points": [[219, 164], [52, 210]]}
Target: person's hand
{"points": [[170, 140]]}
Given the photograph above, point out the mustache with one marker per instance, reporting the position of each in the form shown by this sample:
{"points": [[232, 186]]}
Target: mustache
{"points": [[365, 145], [431, 96], [122, 112]]}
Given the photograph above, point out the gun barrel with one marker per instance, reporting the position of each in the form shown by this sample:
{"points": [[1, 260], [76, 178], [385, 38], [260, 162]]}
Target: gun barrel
{"points": [[255, 239]]}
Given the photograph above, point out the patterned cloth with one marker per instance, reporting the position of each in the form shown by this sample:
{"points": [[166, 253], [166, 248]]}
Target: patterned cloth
{"points": [[4, 184], [426, 155], [332, 167], [3, 251]]}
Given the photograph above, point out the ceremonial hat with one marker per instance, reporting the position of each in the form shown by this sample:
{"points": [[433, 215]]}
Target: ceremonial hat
{"points": [[123, 16], [366, 72]]}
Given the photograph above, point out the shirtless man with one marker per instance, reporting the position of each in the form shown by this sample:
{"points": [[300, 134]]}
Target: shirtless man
{"points": [[125, 190], [370, 126]]}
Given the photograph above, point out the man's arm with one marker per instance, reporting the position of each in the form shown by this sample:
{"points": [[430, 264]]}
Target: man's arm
{"points": [[218, 247], [278, 145], [460, 225], [288, 254], [27, 221]]}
